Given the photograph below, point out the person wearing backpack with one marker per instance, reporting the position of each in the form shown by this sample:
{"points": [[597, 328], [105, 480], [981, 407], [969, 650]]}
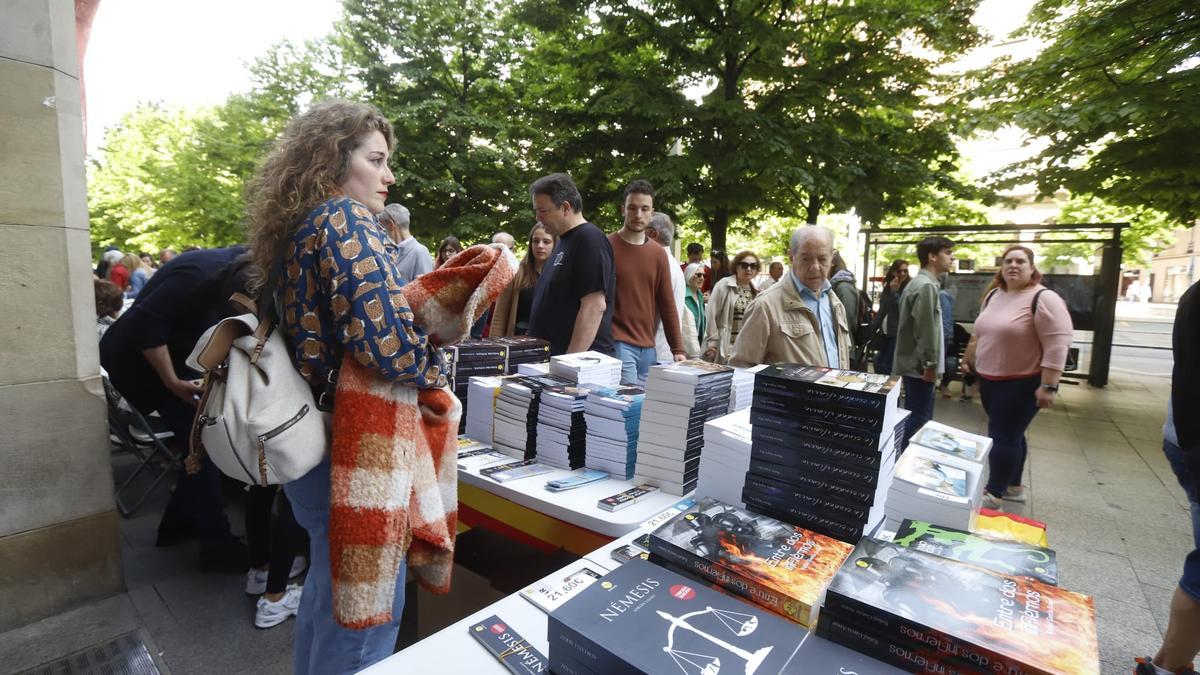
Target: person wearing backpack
{"points": [[1019, 349], [858, 310]]}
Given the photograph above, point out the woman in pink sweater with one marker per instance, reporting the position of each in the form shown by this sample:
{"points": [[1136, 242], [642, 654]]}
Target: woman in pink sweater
{"points": [[1018, 351]]}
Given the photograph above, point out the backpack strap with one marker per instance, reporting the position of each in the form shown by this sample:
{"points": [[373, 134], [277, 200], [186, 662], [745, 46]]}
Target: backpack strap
{"points": [[988, 298], [1033, 307]]}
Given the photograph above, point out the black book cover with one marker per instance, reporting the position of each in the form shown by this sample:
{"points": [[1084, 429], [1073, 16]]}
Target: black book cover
{"points": [[480, 351], [802, 466], [835, 434], [776, 403], [785, 443], [498, 638], [865, 390], [808, 519], [844, 492], [911, 656], [1004, 557], [780, 492], [772, 563], [642, 618], [1014, 624]]}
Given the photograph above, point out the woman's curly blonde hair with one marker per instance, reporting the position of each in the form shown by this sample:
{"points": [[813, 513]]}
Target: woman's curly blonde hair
{"points": [[306, 166]]}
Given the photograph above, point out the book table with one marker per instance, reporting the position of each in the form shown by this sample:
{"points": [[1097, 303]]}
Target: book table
{"points": [[526, 511], [452, 649]]}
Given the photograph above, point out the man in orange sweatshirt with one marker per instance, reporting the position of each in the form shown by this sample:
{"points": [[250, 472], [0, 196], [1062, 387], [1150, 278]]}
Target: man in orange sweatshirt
{"points": [[644, 294]]}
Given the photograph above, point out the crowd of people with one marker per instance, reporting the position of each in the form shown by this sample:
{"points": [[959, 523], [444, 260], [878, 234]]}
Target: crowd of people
{"points": [[320, 226]]}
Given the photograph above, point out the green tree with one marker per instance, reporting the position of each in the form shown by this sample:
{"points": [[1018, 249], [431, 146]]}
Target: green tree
{"points": [[1116, 93], [1148, 230], [806, 108], [439, 71]]}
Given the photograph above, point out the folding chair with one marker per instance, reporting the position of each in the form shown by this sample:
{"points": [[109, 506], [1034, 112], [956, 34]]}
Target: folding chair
{"points": [[132, 431]]}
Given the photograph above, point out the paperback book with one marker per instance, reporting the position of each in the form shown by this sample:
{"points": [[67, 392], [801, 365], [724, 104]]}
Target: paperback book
{"points": [[953, 442], [1003, 557], [779, 566], [997, 623], [509, 647], [626, 498], [640, 618]]}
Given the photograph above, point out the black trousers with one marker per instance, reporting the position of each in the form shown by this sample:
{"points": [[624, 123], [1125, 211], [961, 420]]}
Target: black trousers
{"points": [[272, 544]]}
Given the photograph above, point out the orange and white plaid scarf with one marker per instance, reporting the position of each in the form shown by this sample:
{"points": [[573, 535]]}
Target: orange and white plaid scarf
{"points": [[394, 458]]}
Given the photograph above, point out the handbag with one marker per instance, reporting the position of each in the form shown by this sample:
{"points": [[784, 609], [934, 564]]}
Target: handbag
{"points": [[257, 420]]}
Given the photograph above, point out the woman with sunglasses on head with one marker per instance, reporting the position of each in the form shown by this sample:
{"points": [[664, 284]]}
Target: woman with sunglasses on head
{"points": [[727, 306]]}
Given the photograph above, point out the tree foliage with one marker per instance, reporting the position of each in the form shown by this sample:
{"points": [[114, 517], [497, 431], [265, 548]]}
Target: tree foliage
{"points": [[1116, 92]]}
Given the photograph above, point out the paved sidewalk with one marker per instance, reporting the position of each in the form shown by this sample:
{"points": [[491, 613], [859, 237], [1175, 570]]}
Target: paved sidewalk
{"points": [[1096, 476]]}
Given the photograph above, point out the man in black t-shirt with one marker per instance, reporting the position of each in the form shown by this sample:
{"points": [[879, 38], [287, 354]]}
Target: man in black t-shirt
{"points": [[573, 299]]}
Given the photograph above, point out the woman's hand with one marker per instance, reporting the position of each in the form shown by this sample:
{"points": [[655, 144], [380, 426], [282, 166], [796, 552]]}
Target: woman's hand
{"points": [[1045, 397], [966, 364], [710, 354]]}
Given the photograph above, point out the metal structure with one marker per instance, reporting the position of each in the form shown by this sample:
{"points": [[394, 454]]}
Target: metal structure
{"points": [[1100, 321]]}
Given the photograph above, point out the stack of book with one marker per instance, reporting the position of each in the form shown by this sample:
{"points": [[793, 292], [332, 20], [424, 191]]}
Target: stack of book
{"points": [[935, 487], [515, 429], [925, 613], [680, 398], [561, 428], [726, 457], [534, 369], [612, 415], [473, 358], [954, 442], [480, 407], [825, 442], [595, 368], [741, 390], [523, 349], [769, 562], [642, 618]]}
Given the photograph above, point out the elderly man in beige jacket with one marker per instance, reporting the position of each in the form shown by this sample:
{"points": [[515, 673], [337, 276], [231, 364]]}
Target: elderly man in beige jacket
{"points": [[799, 319]]}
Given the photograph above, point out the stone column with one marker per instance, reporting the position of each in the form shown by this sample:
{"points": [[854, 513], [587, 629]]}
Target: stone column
{"points": [[58, 527]]}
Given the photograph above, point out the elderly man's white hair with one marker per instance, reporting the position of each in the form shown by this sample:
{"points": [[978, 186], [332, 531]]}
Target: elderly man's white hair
{"points": [[396, 213], [504, 238], [801, 235], [664, 229]]}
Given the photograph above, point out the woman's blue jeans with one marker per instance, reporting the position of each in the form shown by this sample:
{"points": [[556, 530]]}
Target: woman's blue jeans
{"points": [[1011, 406], [322, 646]]}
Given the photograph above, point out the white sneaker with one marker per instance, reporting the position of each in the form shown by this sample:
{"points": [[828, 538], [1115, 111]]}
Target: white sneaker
{"points": [[256, 579], [270, 614], [1015, 493], [991, 501]]}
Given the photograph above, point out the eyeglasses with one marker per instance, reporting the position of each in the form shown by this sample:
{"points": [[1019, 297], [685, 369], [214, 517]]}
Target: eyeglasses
{"points": [[748, 265]]}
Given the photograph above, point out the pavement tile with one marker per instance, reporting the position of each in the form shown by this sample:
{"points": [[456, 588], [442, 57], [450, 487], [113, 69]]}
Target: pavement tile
{"points": [[1077, 529], [1098, 574], [1159, 600], [1156, 552], [51, 638], [1125, 630]]}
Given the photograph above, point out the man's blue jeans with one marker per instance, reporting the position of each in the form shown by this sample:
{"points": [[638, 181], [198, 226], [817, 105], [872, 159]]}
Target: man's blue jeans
{"points": [[1190, 581], [918, 399], [635, 362], [322, 646]]}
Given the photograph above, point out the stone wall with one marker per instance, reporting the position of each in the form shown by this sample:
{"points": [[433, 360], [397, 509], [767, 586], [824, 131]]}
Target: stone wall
{"points": [[58, 528]]}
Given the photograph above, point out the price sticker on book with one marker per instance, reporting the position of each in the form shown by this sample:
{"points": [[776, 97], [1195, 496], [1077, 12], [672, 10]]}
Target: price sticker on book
{"points": [[678, 508], [549, 595]]}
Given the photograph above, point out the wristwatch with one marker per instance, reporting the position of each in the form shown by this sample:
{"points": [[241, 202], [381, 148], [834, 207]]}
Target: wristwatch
{"points": [[1050, 387]]}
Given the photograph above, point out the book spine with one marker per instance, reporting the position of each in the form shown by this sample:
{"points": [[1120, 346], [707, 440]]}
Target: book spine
{"points": [[843, 492], [905, 656], [570, 643], [818, 393], [797, 406], [733, 582], [892, 627], [798, 466], [788, 443], [819, 430], [805, 518], [781, 492]]}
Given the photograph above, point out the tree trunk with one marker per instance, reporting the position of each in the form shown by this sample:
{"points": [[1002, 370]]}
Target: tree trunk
{"points": [[717, 226], [812, 209]]}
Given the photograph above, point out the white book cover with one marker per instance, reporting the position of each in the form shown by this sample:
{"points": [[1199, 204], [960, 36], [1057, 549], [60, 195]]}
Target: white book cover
{"points": [[691, 371], [952, 441], [915, 473], [671, 487]]}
